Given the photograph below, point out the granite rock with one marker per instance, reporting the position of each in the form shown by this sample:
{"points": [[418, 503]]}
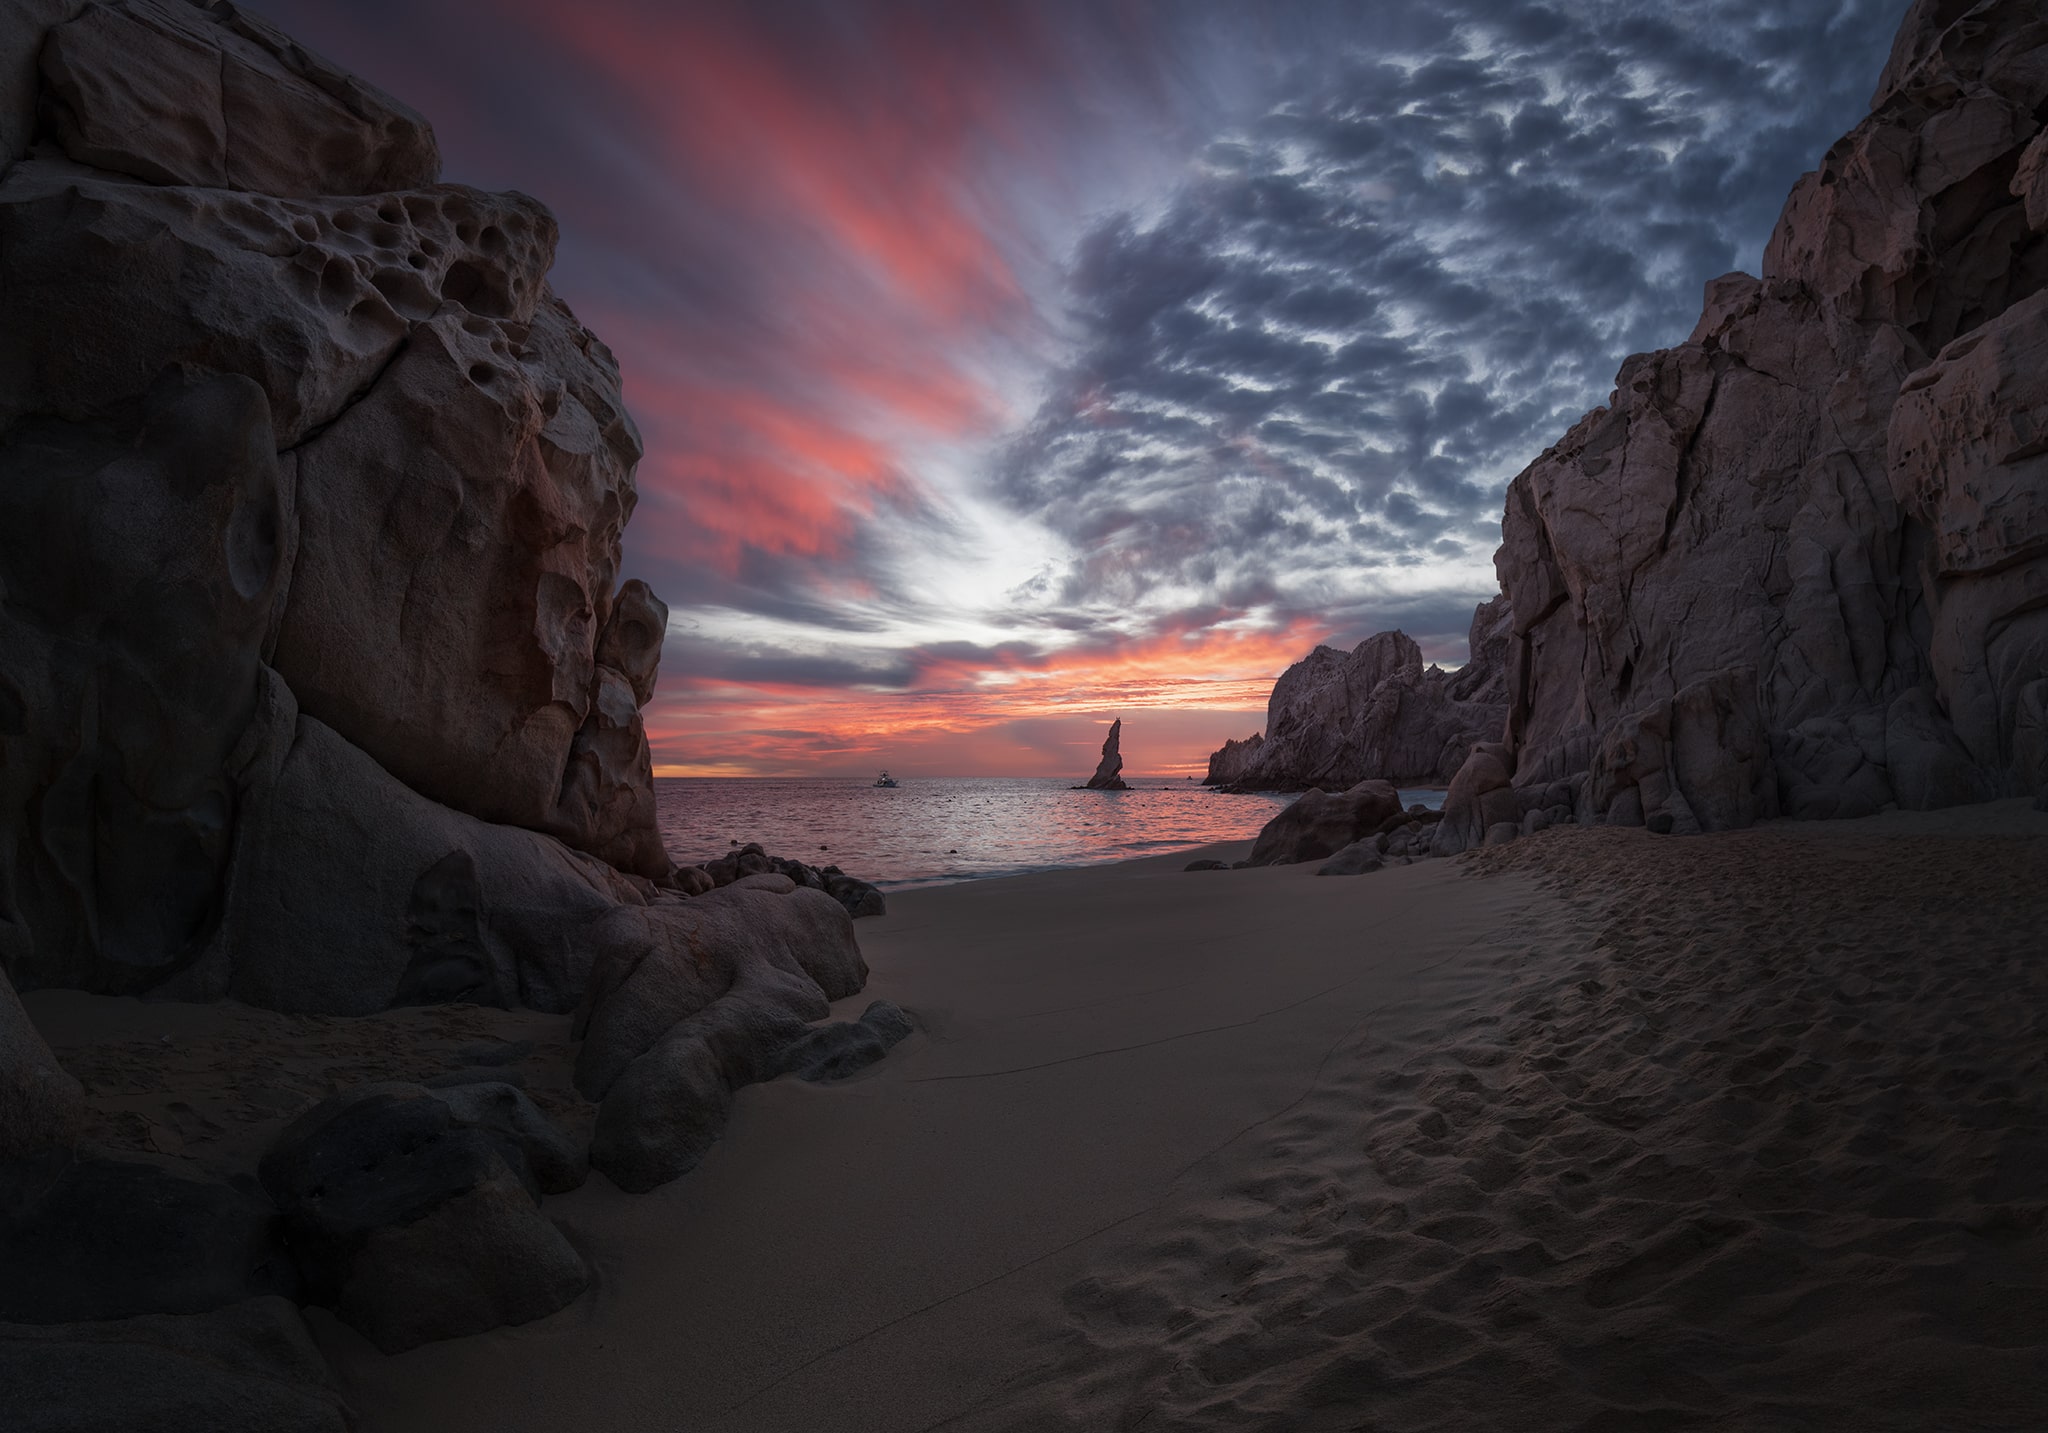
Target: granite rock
{"points": [[1376, 712], [1798, 564], [1356, 859], [1319, 824], [414, 1213]]}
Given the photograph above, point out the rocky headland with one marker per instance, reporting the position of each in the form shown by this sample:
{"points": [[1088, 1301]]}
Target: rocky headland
{"points": [[320, 693], [1373, 713]]}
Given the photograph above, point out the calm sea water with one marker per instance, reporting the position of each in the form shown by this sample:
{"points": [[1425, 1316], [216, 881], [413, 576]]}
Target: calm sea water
{"points": [[927, 832]]}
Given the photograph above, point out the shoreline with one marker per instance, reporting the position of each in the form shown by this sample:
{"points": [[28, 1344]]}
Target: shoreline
{"points": [[1238, 1146]]}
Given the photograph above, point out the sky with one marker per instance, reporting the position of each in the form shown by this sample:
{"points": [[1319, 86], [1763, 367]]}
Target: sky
{"points": [[1008, 366]]}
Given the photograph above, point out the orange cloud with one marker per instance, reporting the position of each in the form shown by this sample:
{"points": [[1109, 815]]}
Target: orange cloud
{"points": [[963, 714]]}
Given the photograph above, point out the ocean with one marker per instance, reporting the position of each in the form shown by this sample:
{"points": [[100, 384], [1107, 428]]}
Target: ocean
{"points": [[930, 832]]}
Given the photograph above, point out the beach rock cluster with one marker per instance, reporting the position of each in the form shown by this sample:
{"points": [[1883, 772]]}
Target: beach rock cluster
{"points": [[859, 897], [320, 690], [1352, 832], [1798, 564], [1374, 713]]}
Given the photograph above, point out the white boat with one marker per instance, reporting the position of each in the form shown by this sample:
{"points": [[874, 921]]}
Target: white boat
{"points": [[885, 779]]}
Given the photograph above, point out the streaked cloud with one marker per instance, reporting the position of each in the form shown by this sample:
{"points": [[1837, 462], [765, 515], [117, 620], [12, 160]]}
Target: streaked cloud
{"points": [[1005, 366]]}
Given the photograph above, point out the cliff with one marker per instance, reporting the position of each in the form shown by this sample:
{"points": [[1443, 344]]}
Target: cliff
{"points": [[319, 688], [1373, 713], [1798, 564]]}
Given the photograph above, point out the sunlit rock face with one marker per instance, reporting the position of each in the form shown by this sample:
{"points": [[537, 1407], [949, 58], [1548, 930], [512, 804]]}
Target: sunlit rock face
{"points": [[1375, 713], [447, 465], [1799, 563]]}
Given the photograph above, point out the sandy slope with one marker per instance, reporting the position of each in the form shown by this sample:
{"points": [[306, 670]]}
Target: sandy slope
{"points": [[865, 1256], [1752, 1134], [1597, 1131]]}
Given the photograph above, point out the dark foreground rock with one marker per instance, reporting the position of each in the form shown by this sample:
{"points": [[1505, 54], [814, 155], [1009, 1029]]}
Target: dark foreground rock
{"points": [[414, 1213], [320, 687], [671, 1032], [249, 1367], [1356, 859], [847, 1047], [1320, 824], [86, 1237], [41, 1107]]}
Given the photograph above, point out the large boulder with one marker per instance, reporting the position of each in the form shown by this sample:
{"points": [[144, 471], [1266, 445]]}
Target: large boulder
{"points": [[1480, 798], [791, 952], [1320, 824], [414, 1213], [248, 1367], [436, 906], [1798, 563], [716, 1001], [1338, 718]]}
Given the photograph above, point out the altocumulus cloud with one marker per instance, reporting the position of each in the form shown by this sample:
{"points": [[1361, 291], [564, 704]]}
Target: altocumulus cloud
{"points": [[1302, 383]]}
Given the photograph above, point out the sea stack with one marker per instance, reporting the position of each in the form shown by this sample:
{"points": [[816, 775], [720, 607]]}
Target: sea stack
{"points": [[1106, 777]]}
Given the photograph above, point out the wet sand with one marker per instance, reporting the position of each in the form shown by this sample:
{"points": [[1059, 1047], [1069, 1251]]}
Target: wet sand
{"points": [[1599, 1130]]}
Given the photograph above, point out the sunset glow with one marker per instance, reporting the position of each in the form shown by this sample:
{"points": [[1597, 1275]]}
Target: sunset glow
{"points": [[1007, 368]]}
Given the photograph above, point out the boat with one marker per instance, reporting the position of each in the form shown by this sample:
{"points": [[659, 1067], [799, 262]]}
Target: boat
{"points": [[885, 779]]}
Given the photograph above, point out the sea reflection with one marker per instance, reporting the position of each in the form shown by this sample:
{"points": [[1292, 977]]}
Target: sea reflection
{"points": [[926, 832]]}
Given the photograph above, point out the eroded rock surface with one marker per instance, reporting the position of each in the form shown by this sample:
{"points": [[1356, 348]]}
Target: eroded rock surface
{"points": [[1374, 713], [453, 461], [1799, 563]]}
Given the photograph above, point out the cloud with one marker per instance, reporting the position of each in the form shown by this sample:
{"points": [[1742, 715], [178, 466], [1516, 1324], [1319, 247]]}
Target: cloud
{"points": [[1363, 312], [1006, 362]]}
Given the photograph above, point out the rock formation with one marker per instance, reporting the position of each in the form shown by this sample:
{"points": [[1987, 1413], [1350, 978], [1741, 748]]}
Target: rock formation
{"points": [[1229, 762], [1799, 563], [1322, 823], [319, 690], [1106, 777], [1375, 713]]}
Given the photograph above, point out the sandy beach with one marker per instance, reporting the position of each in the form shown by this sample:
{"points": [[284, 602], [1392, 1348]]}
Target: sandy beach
{"points": [[1597, 1130]]}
